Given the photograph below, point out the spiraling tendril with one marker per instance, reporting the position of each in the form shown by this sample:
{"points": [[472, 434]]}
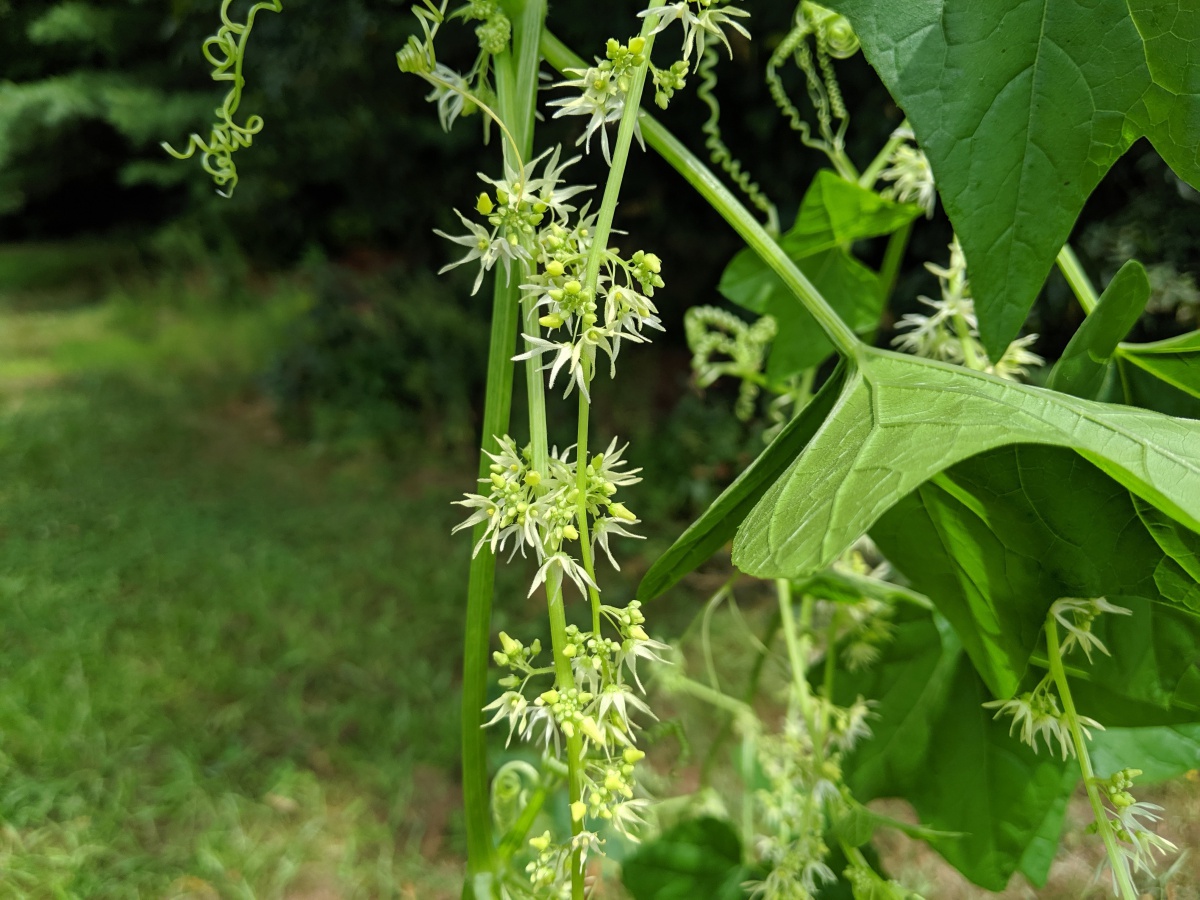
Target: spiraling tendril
{"points": [[226, 51], [719, 151]]}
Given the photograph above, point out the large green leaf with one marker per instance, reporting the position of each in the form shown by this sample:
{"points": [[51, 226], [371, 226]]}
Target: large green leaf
{"points": [[900, 421], [1175, 361], [1022, 106], [719, 522], [1002, 803], [997, 538], [836, 213], [696, 858], [833, 214], [1161, 753], [1082, 368]]}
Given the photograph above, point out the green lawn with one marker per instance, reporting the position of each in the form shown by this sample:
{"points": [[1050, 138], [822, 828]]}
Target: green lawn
{"points": [[222, 658]]}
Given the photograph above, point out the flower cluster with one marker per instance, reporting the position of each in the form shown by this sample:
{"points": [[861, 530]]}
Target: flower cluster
{"points": [[910, 173], [539, 510], [1037, 714], [702, 20], [583, 323], [601, 710], [951, 333], [599, 91], [1130, 821], [521, 213], [804, 792]]}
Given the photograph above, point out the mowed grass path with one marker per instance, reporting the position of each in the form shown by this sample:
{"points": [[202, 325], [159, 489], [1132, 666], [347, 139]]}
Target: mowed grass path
{"points": [[227, 668]]}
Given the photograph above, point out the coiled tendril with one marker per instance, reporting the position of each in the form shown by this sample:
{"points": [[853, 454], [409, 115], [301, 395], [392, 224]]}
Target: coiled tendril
{"points": [[713, 332], [833, 38], [719, 151], [226, 51]]}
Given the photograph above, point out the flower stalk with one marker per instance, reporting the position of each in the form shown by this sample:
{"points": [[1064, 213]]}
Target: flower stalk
{"points": [[1103, 826]]}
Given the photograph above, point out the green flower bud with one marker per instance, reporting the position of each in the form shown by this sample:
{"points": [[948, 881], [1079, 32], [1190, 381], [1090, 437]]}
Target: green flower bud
{"points": [[553, 320], [621, 512], [484, 204], [554, 268], [588, 726], [637, 45], [578, 811]]}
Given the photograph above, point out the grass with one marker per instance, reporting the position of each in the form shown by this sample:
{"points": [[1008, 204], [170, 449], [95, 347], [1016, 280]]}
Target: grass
{"points": [[227, 669], [228, 664]]}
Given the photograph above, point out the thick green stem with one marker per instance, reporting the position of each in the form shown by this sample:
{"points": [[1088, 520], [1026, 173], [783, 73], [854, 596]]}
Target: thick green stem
{"points": [[581, 515], [1085, 762], [565, 681], [1081, 285], [798, 648], [731, 209], [620, 157], [516, 73], [535, 392], [591, 280], [893, 256]]}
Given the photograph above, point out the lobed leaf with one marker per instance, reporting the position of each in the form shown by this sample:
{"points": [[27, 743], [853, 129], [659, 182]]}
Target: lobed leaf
{"points": [[1022, 106], [997, 538], [1082, 368], [900, 421], [717, 525]]}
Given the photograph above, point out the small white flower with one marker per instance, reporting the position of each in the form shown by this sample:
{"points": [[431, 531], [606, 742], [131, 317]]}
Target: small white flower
{"points": [[485, 246], [512, 706], [596, 96], [911, 175], [449, 92], [710, 22], [1016, 359], [1076, 615], [570, 569], [607, 527]]}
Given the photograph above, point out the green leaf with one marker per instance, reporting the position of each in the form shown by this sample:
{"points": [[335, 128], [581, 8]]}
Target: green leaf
{"points": [[1002, 804], [900, 421], [1084, 363], [696, 858], [1175, 361], [1022, 107], [1136, 386], [910, 684], [799, 344], [997, 538], [834, 213], [853, 291], [719, 522], [1161, 753]]}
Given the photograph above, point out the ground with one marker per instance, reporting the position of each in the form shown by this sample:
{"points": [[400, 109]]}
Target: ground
{"points": [[228, 662]]}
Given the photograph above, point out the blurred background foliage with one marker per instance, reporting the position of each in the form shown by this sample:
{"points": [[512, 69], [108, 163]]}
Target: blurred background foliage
{"points": [[351, 174]]}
